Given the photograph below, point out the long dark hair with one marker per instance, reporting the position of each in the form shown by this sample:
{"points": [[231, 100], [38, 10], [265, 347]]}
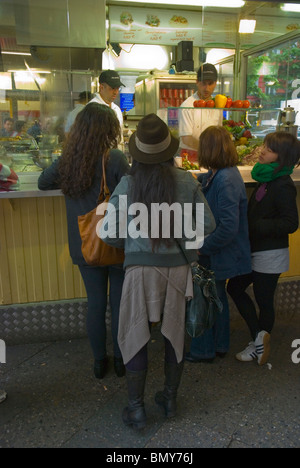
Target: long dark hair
{"points": [[96, 129], [154, 183]]}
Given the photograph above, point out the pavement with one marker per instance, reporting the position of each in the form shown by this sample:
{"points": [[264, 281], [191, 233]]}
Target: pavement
{"points": [[54, 401]]}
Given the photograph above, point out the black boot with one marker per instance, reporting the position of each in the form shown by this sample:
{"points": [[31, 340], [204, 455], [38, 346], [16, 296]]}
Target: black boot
{"points": [[167, 398], [134, 414]]}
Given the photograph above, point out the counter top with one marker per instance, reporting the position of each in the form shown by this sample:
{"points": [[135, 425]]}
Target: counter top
{"points": [[29, 189], [28, 183]]}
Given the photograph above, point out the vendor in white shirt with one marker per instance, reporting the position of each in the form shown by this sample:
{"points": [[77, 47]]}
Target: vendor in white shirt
{"points": [[193, 122], [110, 83]]}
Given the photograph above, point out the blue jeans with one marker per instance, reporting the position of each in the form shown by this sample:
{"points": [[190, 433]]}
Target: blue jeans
{"points": [[217, 339], [96, 280]]}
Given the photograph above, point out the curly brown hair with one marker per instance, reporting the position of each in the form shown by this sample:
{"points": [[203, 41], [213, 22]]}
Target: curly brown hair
{"points": [[96, 129]]}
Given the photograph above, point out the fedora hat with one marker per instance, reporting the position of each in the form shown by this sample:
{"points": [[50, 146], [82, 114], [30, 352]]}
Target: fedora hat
{"points": [[152, 143]]}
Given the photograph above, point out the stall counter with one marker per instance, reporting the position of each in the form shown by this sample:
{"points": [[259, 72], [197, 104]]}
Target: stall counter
{"points": [[35, 265]]}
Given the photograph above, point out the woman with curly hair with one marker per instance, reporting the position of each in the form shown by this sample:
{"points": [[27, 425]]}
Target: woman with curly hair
{"points": [[93, 136]]}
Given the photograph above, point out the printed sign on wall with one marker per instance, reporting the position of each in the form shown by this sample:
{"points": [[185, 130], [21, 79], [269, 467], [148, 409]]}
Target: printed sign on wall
{"points": [[133, 25], [153, 26]]}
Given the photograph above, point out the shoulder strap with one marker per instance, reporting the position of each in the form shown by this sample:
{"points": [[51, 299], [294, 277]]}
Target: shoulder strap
{"points": [[104, 190], [182, 250]]}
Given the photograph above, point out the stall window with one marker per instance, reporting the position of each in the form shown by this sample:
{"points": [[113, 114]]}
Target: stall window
{"points": [[273, 76]]}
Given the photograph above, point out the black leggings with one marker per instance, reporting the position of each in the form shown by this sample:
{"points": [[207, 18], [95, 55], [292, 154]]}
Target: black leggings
{"points": [[264, 286], [140, 361], [96, 282]]}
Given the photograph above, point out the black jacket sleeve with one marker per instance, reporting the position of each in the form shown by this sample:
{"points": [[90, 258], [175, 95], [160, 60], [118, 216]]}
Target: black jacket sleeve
{"points": [[49, 178]]}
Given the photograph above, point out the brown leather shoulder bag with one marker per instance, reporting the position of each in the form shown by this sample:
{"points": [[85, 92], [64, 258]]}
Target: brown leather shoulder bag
{"points": [[94, 250]]}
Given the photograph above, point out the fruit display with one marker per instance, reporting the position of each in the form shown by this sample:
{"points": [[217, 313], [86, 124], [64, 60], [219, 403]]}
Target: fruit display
{"points": [[223, 102], [220, 100], [246, 146], [239, 131], [200, 103], [189, 166], [248, 154]]}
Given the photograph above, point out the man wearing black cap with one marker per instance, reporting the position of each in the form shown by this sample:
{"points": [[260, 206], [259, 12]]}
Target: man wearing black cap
{"points": [[193, 122], [109, 86]]}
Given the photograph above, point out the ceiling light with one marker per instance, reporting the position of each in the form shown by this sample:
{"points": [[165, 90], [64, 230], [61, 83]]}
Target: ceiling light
{"points": [[247, 26], [30, 71], [291, 7], [15, 53], [204, 3]]}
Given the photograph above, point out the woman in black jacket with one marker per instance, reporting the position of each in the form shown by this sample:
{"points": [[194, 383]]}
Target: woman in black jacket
{"points": [[79, 173], [272, 216]]}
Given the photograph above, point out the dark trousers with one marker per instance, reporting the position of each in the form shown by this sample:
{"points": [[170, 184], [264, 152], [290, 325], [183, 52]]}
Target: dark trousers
{"points": [[264, 286], [96, 282]]}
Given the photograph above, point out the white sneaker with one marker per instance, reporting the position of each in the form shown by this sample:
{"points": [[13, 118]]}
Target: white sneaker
{"points": [[249, 354], [3, 395], [262, 345]]}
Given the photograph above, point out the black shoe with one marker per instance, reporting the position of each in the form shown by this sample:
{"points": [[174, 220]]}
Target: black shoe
{"points": [[119, 367], [190, 358], [221, 355], [100, 368]]}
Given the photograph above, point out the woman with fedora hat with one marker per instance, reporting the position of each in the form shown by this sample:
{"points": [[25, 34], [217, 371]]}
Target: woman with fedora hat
{"points": [[158, 279]]}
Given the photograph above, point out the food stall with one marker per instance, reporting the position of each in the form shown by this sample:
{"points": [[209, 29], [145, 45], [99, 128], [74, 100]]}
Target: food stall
{"points": [[39, 287]]}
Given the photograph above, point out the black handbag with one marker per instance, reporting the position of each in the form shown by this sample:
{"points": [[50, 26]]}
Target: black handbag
{"points": [[203, 309]]}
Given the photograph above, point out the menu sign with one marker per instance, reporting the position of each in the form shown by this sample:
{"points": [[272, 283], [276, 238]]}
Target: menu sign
{"points": [[154, 26], [133, 25]]}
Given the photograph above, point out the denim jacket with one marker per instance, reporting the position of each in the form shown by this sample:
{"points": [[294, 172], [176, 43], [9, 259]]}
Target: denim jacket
{"points": [[228, 246]]}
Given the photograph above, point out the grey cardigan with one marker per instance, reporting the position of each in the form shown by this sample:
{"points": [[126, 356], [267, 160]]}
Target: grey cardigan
{"points": [[138, 251]]}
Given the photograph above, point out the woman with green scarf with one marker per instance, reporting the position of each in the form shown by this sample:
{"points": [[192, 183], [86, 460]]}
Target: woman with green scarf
{"points": [[272, 216]]}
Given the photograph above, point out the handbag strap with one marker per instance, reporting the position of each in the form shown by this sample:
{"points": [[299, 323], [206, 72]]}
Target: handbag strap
{"points": [[104, 190], [183, 251], [170, 281]]}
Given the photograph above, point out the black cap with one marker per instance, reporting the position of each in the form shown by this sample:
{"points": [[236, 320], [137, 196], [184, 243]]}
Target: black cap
{"points": [[110, 77], [207, 71]]}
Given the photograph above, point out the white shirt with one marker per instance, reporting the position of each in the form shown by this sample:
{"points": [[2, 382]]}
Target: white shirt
{"points": [[72, 116], [114, 107], [194, 122]]}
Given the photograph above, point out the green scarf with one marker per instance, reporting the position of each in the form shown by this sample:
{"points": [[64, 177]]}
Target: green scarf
{"points": [[265, 172]]}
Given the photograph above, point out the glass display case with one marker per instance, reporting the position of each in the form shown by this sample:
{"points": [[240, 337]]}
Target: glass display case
{"points": [[23, 154], [247, 127], [19, 153]]}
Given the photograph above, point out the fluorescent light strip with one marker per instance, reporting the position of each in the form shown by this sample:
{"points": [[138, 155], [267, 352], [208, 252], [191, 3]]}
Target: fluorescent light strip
{"points": [[15, 53], [295, 7], [29, 71], [204, 3]]}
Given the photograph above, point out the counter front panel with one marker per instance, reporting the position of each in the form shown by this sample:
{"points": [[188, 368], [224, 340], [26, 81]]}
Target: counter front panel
{"points": [[35, 264]]}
